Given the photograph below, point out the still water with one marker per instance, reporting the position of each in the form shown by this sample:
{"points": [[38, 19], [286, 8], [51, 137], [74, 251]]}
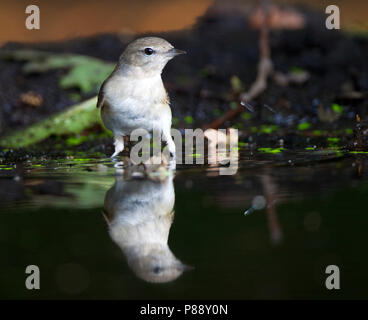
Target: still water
{"points": [[101, 231]]}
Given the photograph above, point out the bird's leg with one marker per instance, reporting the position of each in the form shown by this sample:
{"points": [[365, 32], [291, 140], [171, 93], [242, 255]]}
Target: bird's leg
{"points": [[119, 145], [166, 135]]}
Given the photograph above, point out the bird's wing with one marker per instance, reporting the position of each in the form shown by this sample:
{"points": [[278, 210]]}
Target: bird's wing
{"points": [[101, 96]]}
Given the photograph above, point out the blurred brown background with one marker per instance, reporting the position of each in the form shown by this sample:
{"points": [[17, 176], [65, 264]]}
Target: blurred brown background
{"points": [[71, 18]]}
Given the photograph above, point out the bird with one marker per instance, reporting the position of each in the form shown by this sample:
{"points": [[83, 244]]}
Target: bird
{"points": [[134, 97], [139, 214]]}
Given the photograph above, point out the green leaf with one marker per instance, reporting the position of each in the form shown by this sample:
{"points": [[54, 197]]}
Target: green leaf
{"points": [[271, 150], [238, 125], [318, 132], [268, 128], [70, 121], [246, 115], [85, 73], [304, 126], [296, 70], [189, 119], [335, 140], [349, 131], [236, 84], [337, 108], [76, 140]]}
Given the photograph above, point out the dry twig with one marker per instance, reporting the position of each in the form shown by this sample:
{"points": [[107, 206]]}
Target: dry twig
{"points": [[265, 68]]}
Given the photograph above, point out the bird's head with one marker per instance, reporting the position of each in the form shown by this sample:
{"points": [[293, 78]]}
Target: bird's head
{"points": [[148, 55], [157, 265]]}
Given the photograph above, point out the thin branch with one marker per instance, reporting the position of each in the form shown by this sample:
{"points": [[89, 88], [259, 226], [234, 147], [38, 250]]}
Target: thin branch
{"points": [[270, 189], [265, 68]]}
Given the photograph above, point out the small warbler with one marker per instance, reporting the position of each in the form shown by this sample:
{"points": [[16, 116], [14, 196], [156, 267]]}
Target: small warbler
{"points": [[134, 96]]}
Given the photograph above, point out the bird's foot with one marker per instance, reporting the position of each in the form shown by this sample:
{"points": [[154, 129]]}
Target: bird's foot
{"points": [[119, 146], [115, 155]]}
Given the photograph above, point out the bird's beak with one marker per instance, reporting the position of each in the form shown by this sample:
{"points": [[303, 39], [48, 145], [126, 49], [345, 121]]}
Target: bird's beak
{"points": [[175, 52], [183, 267]]}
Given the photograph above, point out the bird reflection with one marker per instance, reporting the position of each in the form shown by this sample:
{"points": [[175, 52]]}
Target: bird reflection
{"points": [[139, 215]]}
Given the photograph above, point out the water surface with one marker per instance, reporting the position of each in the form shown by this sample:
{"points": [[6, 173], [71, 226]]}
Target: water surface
{"points": [[269, 231]]}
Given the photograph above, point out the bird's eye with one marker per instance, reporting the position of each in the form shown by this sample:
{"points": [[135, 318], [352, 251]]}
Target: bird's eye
{"points": [[148, 51], [157, 270]]}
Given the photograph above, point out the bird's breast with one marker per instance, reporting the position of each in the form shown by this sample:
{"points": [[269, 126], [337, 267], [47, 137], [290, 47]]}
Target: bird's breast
{"points": [[132, 104], [142, 93]]}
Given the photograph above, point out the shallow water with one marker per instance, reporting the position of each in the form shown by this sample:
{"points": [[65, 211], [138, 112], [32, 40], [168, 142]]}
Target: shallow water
{"points": [[268, 231]]}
